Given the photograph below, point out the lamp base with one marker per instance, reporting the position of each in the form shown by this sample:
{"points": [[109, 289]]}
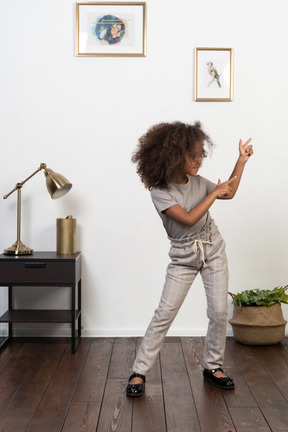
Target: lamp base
{"points": [[18, 248]]}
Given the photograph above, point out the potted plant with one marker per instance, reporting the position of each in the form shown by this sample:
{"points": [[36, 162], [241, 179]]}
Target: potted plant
{"points": [[257, 316]]}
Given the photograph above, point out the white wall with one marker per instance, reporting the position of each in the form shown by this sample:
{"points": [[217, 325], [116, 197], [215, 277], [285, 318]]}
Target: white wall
{"points": [[83, 116]]}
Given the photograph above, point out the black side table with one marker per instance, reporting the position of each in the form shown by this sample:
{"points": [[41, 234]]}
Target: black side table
{"points": [[43, 269]]}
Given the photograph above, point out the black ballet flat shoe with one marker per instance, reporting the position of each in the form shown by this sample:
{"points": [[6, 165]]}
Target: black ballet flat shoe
{"points": [[223, 383], [136, 390]]}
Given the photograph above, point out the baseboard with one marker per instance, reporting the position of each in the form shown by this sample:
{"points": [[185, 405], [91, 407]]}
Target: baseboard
{"points": [[65, 331]]}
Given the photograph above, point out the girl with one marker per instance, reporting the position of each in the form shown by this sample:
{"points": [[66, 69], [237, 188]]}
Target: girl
{"points": [[168, 159]]}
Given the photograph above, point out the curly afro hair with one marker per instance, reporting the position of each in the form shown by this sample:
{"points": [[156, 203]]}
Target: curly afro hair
{"points": [[161, 151]]}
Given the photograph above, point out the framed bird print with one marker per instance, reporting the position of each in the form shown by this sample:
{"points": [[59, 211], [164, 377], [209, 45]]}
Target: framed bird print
{"points": [[214, 74], [111, 29]]}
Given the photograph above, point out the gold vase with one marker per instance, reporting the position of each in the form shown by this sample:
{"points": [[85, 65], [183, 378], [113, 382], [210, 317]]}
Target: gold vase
{"points": [[66, 235]]}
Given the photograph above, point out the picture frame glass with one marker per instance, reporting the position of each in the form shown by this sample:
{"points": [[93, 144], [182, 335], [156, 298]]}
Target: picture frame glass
{"points": [[110, 29], [213, 74]]}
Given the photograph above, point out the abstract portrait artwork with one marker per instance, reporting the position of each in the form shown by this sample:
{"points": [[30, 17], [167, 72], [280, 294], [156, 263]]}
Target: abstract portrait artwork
{"points": [[213, 74], [110, 29]]}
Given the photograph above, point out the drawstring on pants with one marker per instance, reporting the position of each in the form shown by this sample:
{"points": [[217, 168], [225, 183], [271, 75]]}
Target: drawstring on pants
{"points": [[198, 243]]}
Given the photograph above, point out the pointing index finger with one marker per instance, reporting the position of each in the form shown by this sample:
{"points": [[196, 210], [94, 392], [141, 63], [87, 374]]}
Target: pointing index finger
{"points": [[231, 180]]}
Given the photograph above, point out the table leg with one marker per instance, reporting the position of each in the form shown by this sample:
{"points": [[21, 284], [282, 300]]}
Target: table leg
{"points": [[79, 308], [73, 318], [10, 329], [10, 306], [75, 333]]}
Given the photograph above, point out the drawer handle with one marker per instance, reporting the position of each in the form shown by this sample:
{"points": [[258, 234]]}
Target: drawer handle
{"points": [[35, 264]]}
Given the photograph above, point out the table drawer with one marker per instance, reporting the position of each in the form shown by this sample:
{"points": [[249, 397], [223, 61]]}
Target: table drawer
{"points": [[37, 271]]}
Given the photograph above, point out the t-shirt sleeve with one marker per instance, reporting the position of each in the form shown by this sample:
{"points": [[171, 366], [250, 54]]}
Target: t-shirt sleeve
{"points": [[162, 200], [210, 186]]}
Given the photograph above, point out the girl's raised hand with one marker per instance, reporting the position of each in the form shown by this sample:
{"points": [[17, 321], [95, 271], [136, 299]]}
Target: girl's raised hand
{"points": [[246, 149]]}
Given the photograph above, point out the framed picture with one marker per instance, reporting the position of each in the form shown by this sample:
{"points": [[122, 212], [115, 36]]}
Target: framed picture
{"points": [[214, 74], [111, 29]]}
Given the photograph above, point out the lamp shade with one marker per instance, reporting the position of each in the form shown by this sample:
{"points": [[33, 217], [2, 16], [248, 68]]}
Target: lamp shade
{"points": [[57, 184]]}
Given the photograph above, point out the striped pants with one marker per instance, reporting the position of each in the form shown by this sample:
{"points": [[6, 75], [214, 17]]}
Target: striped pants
{"points": [[204, 253]]}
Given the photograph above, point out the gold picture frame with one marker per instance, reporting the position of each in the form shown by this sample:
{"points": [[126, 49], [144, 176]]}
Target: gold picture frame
{"points": [[214, 74], [111, 29]]}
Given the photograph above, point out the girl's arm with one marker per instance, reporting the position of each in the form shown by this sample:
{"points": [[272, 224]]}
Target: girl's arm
{"points": [[224, 190], [190, 218], [245, 151]]}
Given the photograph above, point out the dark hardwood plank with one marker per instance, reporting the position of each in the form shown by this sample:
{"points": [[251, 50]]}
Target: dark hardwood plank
{"points": [[82, 417], [91, 385], [17, 370], [285, 342], [249, 420], [282, 349], [29, 394], [181, 414], [269, 399], [8, 351], [85, 408], [122, 359], [276, 366], [211, 407], [149, 411], [52, 410], [116, 412], [45, 388], [241, 396]]}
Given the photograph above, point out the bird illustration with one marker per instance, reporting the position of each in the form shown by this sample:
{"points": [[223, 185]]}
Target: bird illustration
{"points": [[213, 73]]}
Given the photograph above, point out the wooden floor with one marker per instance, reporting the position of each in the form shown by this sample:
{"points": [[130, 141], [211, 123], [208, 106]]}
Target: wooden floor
{"points": [[45, 388]]}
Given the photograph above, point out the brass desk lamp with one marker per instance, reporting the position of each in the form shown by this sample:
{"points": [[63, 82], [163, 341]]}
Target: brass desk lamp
{"points": [[57, 186]]}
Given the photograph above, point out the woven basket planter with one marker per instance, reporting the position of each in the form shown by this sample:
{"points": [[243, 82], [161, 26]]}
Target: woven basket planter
{"points": [[258, 325]]}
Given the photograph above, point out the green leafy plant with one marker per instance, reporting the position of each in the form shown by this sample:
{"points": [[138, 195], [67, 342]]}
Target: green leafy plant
{"points": [[259, 297]]}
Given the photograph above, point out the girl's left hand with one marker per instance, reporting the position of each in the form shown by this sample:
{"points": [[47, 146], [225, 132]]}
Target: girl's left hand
{"points": [[246, 149]]}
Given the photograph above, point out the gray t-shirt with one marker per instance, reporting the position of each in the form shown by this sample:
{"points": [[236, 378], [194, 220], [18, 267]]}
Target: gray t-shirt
{"points": [[187, 196]]}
